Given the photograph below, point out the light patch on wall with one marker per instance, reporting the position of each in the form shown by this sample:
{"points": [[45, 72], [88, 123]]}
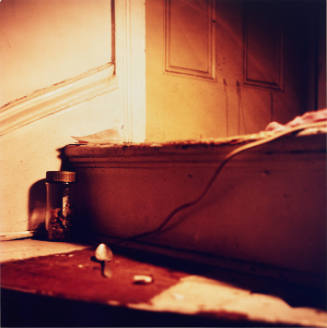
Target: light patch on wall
{"points": [[45, 42]]}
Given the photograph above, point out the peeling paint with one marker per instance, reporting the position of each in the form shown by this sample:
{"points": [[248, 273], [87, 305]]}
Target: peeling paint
{"points": [[202, 296]]}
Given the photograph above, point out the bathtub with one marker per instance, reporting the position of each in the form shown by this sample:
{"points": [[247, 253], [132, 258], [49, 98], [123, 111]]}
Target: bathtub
{"points": [[265, 212]]}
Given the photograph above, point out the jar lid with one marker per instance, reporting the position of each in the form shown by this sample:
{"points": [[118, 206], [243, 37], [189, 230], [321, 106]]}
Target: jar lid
{"points": [[60, 176]]}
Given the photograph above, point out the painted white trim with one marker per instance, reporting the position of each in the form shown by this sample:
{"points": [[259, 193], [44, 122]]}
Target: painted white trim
{"points": [[4, 236], [57, 97], [130, 66], [137, 69]]}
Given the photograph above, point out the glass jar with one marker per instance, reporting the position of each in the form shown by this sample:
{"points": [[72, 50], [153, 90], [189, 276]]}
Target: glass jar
{"points": [[59, 206]]}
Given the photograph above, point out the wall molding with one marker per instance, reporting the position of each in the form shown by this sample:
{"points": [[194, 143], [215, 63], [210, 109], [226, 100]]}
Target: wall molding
{"points": [[125, 72], [57, 97], [130, 66], [170, 67]]}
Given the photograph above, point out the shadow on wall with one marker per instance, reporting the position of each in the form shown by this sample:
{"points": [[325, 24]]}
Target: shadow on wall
{"points": [[65, 164], [37, 202], [36, 207]]}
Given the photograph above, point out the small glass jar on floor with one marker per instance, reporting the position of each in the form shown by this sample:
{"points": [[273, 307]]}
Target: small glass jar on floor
{"points": [[59, 207]]}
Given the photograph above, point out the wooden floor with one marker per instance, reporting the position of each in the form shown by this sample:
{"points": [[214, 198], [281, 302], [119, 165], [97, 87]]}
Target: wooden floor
{"points": [[67, 289]]}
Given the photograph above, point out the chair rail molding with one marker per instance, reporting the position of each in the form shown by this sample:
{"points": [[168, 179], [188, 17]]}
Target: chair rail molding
{"points": [[62, 95], [124, 73]]}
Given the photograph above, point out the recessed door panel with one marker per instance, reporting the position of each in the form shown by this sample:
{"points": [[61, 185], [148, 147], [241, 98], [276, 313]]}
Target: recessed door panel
{"points": [[189, 48]]}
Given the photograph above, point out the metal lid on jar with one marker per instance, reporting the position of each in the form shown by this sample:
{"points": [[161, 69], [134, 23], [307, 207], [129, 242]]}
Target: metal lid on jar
{"points": [[60, 176]]}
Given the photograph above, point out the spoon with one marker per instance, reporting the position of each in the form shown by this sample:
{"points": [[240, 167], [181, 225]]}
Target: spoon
{"points": [[104, 254]]}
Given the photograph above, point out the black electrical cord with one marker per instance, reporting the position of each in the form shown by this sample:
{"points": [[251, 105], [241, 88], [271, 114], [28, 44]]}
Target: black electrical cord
{"points": [[219, 168]]}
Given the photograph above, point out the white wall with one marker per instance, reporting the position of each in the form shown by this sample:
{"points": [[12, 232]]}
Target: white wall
{"points": [[27, 153], [71, 37], [45, 42]]}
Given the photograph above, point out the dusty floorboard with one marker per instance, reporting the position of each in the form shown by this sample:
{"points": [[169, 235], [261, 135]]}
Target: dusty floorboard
{"points": [[69, 290]]}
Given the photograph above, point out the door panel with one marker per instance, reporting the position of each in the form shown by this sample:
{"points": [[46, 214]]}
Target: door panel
{"points": [[189, 48], [263, 47], [217, 68]]}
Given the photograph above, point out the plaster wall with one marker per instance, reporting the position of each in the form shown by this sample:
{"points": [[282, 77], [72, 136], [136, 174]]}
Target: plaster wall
{"points": [[42, 44], [45, 42], [27, 153]]}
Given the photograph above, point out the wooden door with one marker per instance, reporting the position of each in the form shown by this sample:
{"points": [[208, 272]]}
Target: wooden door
{"points": [[227, 67]]}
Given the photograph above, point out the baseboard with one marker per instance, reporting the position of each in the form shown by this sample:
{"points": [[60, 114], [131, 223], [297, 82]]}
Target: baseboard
{"points": [[213, 262]]}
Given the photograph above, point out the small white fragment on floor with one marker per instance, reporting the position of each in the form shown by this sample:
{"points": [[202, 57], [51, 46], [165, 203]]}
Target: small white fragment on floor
{"points": [[142, 279], [70, 255], [81, 266], [178, 296]]}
